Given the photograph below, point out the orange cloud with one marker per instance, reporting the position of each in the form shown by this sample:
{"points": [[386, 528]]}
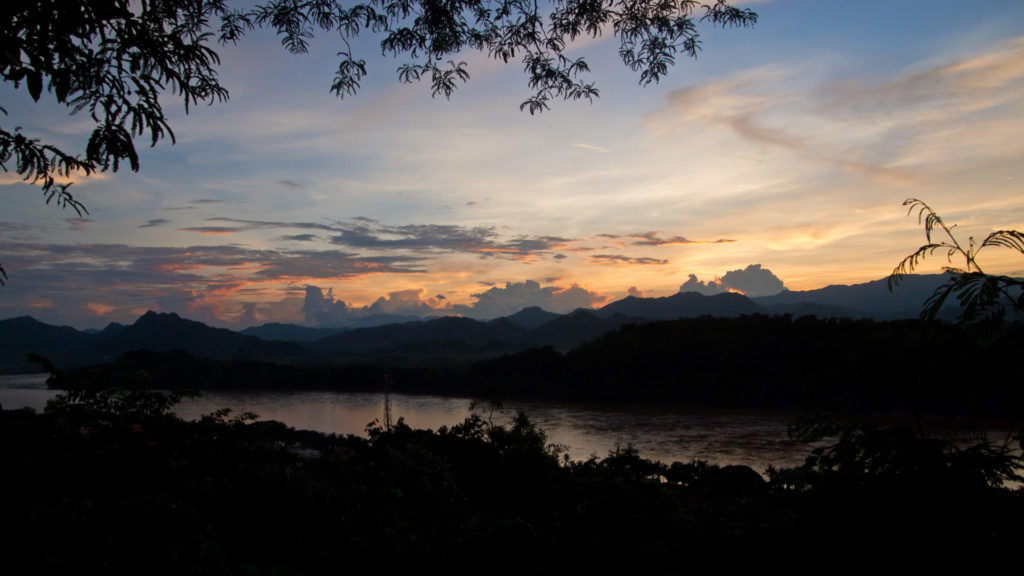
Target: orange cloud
{"points": [[99, 308]]}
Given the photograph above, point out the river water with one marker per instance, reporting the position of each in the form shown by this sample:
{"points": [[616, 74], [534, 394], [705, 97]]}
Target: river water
{"points": [[667, 433]]}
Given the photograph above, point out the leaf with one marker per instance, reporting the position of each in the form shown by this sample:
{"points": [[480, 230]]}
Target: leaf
{"points": [[34, 80], [909, 263], [1011, 239]]}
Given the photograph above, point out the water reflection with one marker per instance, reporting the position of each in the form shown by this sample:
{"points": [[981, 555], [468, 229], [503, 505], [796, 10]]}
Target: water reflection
{"points": [[753, 438], [756, 439]]}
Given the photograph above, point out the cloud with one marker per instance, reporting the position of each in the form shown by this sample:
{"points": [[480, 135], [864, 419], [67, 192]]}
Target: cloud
{"points": [[248, 314], [909, 128], [751, 281], [290, 184], [709, 288], [496, 302], [206, 282], [591, 147], [654, 239], [212, 230], [635, 292], [320, 308], [483, 241], [75, 177], [406, 302], [155, 222], [367, 234], [299, 238], [99, 308], [616, 260], [323, 310]]}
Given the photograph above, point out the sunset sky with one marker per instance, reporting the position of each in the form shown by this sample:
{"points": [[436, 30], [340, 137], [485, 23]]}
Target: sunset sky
{"points": [[791, 145]]}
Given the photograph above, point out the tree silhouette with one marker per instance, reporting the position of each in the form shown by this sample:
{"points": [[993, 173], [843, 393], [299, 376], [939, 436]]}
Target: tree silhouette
{"points": [[116, 59], [982, 295]]}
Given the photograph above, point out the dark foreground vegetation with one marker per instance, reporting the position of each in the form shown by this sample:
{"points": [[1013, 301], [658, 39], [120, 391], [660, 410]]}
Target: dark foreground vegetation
{"points": [[110, 482]]}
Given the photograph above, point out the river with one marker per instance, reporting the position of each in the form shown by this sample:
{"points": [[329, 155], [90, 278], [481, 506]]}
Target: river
{"points": [[667, 433]]}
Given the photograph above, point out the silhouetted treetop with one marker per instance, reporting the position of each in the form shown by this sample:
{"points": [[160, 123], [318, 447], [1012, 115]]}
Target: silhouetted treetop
{"points": [[115, 59]]}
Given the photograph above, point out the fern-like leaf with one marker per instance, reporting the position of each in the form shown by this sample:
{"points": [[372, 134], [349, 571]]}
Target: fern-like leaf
{"points": [[907, 266], [1011, 239]]}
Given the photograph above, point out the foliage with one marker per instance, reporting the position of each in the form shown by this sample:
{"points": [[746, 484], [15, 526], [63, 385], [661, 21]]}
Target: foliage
{"points": [[116, 59], [231, 495], [864, 454], [112, 59], [983, 296]]}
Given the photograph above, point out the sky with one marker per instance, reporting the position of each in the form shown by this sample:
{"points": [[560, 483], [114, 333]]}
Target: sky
{"points": [[780, 156]]}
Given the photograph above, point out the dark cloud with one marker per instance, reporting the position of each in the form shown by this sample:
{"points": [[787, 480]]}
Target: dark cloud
{"points": [[192, 281], [254, 224], [300, 238], [752, 281], [290, 184], [213, 230], [154, 223], [635, 292], [363, 233], [437, 236], [615, 259], [559, 256], [206, 201], [333, 264], [654, 239], [479, 240]]}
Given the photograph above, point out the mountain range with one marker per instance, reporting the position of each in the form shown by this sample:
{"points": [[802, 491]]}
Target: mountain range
{"points": [[436, 341]]}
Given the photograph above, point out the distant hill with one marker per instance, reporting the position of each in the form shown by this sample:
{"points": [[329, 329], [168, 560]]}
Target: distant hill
{"points": [[290, 332], [67, 347], [438, 341], [452, 338], [26, 334], [567, 332], [158, 332], [531, 317], [868, 300], [681, 305]]}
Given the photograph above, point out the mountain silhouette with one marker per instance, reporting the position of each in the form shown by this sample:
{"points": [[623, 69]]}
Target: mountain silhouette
{"points": [[681, 305], [867, 300], [438, 340]]}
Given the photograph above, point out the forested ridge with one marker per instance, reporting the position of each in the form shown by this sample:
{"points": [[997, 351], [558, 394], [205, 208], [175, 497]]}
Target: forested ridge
{"points": [[756, 361]]}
